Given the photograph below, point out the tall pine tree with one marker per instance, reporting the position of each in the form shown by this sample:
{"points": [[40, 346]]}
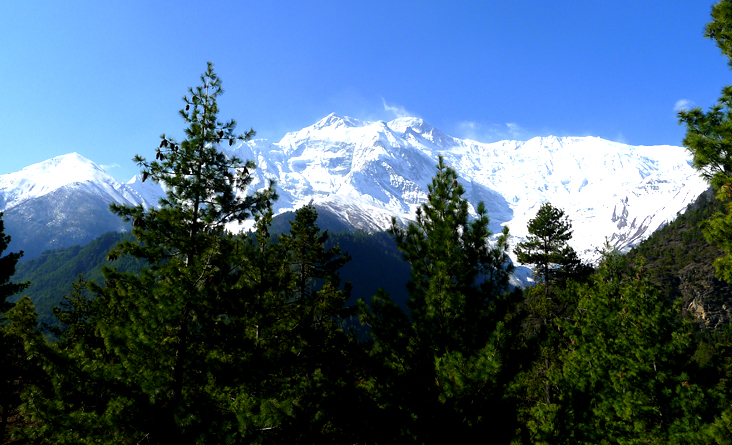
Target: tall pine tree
{"points": [[162, 351], [551, 301], [709, 140], [298, 371], [440, 364], [546, 248], [7, 270]]}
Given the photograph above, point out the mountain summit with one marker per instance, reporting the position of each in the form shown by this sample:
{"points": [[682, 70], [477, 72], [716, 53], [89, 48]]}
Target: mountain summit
{"points": [[65, 201], [334, 121], [69, 170]]}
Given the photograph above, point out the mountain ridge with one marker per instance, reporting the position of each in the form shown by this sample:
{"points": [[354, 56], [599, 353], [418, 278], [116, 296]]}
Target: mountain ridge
{"points": [[368, 172], [383, 168], [64, 201]]}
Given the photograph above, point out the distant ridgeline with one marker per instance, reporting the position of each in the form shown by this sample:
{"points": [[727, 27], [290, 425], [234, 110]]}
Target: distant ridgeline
{"points": [[375, 263]]}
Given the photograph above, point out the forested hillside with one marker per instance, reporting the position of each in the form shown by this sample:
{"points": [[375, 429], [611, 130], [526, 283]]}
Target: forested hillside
{"points": [[680, 260], [194, 335], [375, 263], [51, 274]]}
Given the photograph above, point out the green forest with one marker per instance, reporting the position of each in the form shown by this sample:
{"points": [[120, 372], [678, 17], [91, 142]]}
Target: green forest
{"points": [[182, 332]]}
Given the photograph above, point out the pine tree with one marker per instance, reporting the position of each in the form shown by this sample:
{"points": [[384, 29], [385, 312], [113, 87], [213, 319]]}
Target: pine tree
{"points": [[623, 374], [20, 368], [314, 364], [720, 431], [297, 367], [7, 270], [187, 242], [556, 263], [712, 362], [551, 301], [709, 140], [440, 364], [187, 308], [164, 342], [13, 360], [546, 248]]}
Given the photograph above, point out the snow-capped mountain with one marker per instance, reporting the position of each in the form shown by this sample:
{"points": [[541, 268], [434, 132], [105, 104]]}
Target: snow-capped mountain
{"points": [[367, 172], [71, 170], [65, 201]]}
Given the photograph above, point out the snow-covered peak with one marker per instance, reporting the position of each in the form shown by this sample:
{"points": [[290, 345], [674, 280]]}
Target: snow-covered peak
{"points": [[61, 170], [331, 126], [412, 126], [149, 191], [367, 172], [334, 121], [76, 171], [44, 177], [361, 169], [401, 125]]}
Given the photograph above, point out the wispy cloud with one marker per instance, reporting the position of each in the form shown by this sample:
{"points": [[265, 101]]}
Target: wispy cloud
{"points": [[492, 132], [683, 105], [514, 129], [351, 103], [397, 110], [107, 167], [620, 138]]}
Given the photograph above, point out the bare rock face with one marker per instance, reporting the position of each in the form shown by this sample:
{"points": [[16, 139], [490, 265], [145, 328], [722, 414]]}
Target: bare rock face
{"points": [[706, 297]]}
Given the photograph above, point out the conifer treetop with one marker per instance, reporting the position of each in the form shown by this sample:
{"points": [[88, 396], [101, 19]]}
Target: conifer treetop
{"points": [[7, 270], [206, 189]]}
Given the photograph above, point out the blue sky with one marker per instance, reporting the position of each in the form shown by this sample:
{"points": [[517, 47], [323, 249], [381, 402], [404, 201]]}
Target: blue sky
{"points": [[105, 79]]}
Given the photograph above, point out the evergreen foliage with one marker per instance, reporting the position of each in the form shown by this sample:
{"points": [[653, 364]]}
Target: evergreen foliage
{"points": [[547, 249], [376, 262], [282, 363], [17, 323], [223, 338], [712, 365], [179, 311], [20, 368], [164, 340], [52, 273], [678, 245], [8, 263], [709, 140], [298, 365], [543, 306], [250, 339], [626, 350], [679, 259], [438, 367]]}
